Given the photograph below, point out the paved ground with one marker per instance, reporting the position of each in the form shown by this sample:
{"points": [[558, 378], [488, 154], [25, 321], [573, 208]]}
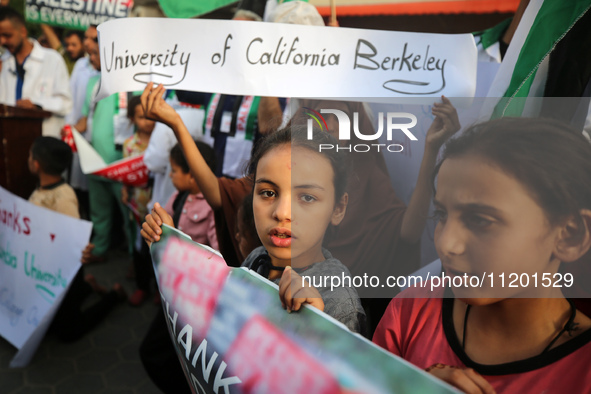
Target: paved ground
{"points": [[105, 361]]}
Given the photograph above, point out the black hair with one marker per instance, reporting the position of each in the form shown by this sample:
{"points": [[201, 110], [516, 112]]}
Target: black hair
{"points": [[297, 136], [549, 158], [132, 105], [14, 16], [54, 156], [246, 217], [177, 156], [70, 33]]}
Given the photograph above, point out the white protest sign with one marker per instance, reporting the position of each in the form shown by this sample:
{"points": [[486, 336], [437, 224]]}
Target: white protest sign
{"points": [[40, 254], [283, 60]]}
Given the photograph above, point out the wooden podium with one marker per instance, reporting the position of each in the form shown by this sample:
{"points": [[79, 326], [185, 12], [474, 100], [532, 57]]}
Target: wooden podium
{"points": [[18, 129]]}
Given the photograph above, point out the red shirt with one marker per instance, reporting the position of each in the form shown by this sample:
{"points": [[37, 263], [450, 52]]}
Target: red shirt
{"points": [[421, 331]]}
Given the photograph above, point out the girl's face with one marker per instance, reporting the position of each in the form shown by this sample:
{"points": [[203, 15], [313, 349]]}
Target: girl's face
{"points": [[182, 181], [292, 209], [143, 124], [490, 224]]}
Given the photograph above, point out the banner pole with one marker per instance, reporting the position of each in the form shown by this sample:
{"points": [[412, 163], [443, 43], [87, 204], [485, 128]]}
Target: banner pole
{"points": [[333, 12]]}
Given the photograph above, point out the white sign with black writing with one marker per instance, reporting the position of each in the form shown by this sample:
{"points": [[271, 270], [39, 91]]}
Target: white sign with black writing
{"points": [[282, 60], [40, 254]]}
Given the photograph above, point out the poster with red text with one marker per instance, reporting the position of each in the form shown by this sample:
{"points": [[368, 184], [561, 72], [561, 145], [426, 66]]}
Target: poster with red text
{"points": [[232, 335], [39, 256], [131, 171]]}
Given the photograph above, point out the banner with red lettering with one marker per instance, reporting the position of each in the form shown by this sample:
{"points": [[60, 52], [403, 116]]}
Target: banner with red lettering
{"points": [[232, 335], [131, 171]]}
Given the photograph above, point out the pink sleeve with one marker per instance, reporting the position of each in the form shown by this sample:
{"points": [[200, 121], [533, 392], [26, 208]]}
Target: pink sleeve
{"points": [[168, 206], [387, 334], [211, 232]]}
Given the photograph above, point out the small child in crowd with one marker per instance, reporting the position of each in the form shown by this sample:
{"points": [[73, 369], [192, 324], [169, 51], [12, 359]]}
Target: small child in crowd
{"points": [[318, 188], [189, 210], [513, 200], [137, 198], [187, 205], [293, 178], [190, 213], [48, 159]]}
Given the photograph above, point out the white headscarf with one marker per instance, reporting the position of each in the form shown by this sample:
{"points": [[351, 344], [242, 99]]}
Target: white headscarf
{"points": [[297, 13]]}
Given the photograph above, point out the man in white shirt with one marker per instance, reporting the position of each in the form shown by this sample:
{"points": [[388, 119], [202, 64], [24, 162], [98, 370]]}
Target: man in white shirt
{"points": [[81, 74], [79, 78], [33, 77]]}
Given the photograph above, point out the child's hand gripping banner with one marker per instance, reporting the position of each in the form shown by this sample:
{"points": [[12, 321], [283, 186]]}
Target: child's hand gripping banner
{"points": [[232, 335], [131, 171], [40, 254], [283, 60]]}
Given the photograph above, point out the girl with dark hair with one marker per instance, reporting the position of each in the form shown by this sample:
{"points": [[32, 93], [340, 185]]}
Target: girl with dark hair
{"points": [[246, 233], [314, 191], [513, 202], [187, 206], [293, 178]]}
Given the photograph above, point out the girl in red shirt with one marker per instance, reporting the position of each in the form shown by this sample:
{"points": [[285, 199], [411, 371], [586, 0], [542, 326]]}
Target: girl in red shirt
{"points": [[513, 202]]}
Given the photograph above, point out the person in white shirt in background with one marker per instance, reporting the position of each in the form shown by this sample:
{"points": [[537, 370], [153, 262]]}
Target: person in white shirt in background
{"points": [[81, 74], [33, 77]]}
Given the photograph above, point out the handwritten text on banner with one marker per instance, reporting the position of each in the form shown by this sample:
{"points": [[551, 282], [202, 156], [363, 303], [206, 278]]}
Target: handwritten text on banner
{"points": [[39, 255], [272, 59]]}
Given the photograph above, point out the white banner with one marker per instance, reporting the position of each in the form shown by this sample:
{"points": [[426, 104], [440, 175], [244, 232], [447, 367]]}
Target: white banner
{"points": [[40, 254], [283, 60]]}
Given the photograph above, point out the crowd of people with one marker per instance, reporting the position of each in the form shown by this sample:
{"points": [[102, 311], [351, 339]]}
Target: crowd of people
{"points": [[264, 194]]}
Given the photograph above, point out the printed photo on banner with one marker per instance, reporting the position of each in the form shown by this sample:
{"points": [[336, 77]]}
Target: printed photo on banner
{"points": [[231, 333]]}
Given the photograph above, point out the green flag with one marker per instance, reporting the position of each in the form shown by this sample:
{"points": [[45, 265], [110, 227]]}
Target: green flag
{"points": [[191, 8], [551, 24]]}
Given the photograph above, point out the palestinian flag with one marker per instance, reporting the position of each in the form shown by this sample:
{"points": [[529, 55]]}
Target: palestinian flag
{"points": [[549, 56], [191, 8]]}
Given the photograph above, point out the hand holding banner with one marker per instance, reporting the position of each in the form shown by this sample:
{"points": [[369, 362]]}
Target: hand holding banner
{"points": [[230, 332]]}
